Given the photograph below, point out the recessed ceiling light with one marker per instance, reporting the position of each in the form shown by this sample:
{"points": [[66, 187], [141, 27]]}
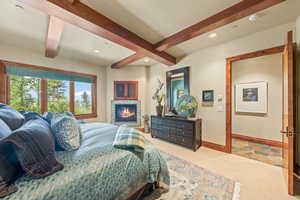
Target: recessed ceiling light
{"points": [[212, 35], [146, 60], [253, 18], [96, 51]]}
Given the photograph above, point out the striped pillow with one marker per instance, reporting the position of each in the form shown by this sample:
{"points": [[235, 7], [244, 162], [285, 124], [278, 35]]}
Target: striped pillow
{"points": [[130, 139]]}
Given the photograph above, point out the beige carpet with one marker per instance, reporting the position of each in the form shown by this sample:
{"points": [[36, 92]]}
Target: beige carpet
{"points": [[190, 182], [259, 181]]}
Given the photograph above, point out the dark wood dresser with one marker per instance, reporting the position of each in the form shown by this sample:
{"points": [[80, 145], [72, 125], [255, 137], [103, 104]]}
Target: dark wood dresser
{"points": [[177, 130]]}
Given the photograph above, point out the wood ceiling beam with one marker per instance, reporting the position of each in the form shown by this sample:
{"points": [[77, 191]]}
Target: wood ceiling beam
{"points": [[55, 29], [71, 1], [127, 60], [82, 16], [227, 16]]}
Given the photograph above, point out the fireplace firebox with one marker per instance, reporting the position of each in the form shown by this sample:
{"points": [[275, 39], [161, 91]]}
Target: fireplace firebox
{"points": [[126, 112]]}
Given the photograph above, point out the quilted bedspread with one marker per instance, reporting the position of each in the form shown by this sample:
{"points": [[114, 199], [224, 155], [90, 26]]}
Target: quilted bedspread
{"points": [[96, 171]]}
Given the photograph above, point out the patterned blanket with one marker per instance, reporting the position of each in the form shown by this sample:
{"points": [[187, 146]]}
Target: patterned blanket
{"points": [[96, 171]]}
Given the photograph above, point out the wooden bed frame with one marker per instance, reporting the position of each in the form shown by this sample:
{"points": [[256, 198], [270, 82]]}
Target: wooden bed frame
{"points": [[143, 191]]}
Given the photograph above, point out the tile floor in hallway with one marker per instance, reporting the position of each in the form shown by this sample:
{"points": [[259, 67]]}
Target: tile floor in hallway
{"points": [[259, 181], [260, 152]]}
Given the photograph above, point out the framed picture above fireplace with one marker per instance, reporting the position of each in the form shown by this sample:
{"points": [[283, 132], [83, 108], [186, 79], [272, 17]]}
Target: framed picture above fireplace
{"points": [[126, 90], [126, 112]]}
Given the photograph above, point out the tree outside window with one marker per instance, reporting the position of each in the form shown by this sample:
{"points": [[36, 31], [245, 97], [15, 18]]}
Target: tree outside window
{"points": [[58, 96], [24, 93], [83, 98]]}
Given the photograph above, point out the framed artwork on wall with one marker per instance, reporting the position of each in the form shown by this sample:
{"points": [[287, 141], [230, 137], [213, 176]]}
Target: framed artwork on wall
{"points": [[207, 95], [251, 97]]}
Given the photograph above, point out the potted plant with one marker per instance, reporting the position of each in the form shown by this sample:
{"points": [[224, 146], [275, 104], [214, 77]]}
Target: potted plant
{"points": [[159, 97]]}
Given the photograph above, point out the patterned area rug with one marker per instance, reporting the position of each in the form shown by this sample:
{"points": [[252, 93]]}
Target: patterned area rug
{"points": [[190, 182]]}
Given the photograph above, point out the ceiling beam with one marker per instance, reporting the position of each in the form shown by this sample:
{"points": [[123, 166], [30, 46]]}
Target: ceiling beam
{"points": [[127, 60], [227, 16], [82, 16], [55, 29], [71, 1]]}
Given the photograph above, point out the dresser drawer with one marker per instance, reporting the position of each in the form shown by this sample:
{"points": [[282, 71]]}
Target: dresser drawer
{"points": [[185, 141], [185, 133]]}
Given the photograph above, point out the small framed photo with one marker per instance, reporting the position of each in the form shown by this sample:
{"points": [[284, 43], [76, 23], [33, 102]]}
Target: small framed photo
{"points": [[251, 97], [207, 95]]}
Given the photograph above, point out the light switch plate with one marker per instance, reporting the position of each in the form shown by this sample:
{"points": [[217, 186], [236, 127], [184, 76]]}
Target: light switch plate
{"points": [[220, 108], [220, 97]]}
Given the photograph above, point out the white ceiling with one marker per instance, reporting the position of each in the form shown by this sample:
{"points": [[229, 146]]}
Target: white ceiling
{"points": [[28, 28], [153, 20]]}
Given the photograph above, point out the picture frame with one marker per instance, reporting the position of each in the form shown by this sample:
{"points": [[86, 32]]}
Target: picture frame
{"points": [[251, 97], [208, 95]]}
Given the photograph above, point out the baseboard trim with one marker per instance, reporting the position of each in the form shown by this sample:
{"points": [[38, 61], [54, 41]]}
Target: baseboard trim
{"points": [[258, 140], [214, 146]]}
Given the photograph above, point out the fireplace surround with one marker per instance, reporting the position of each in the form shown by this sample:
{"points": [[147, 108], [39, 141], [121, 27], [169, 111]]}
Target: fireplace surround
{"points": [[126, 112]]}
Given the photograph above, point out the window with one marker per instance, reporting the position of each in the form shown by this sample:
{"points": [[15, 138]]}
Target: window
{"points": [[41, 89], [24, 93], [83, 98], [58, 96]]}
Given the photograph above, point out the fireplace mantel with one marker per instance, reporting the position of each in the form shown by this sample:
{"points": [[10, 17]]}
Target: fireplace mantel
{"points": [[118, 103]]}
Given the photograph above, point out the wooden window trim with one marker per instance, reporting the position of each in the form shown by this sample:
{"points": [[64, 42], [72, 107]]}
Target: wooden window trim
{"points": [[72, 97], [5, 91], [94, 96], [126, 83], [3, 83], [7, 95], [44, 95]]}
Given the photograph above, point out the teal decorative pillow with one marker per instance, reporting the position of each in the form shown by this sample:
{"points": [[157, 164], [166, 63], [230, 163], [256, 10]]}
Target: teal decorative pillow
{"points": [[130, 139], [67, 131]]}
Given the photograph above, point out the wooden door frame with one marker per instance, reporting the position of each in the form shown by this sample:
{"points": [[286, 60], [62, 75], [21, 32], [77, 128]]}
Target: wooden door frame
{"points": [[291, 126], [229, 61]]}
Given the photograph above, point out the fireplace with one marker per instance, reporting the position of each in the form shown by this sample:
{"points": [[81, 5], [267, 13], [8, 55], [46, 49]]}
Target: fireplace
{"points": [[126, 112]]}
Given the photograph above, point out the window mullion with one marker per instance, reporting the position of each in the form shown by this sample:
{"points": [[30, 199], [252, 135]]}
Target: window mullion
{"points": [[3, 83], [44, 95], [7, 90], [94, 96], [72, 97]]}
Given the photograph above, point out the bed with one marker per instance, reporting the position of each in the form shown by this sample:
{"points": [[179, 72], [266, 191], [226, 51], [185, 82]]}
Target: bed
{"points": [[97, 170]]}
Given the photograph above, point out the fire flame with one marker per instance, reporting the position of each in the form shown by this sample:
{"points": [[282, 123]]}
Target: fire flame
{"points": [[126, 113]]}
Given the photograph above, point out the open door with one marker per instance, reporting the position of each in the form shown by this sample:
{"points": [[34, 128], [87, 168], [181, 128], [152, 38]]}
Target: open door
{"points": [[288, 131]]}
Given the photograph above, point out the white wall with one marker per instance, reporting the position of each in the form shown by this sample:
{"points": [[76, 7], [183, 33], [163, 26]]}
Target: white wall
{"points": [[18, 54], [268, 69], [136, 73], [208, 72]]}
